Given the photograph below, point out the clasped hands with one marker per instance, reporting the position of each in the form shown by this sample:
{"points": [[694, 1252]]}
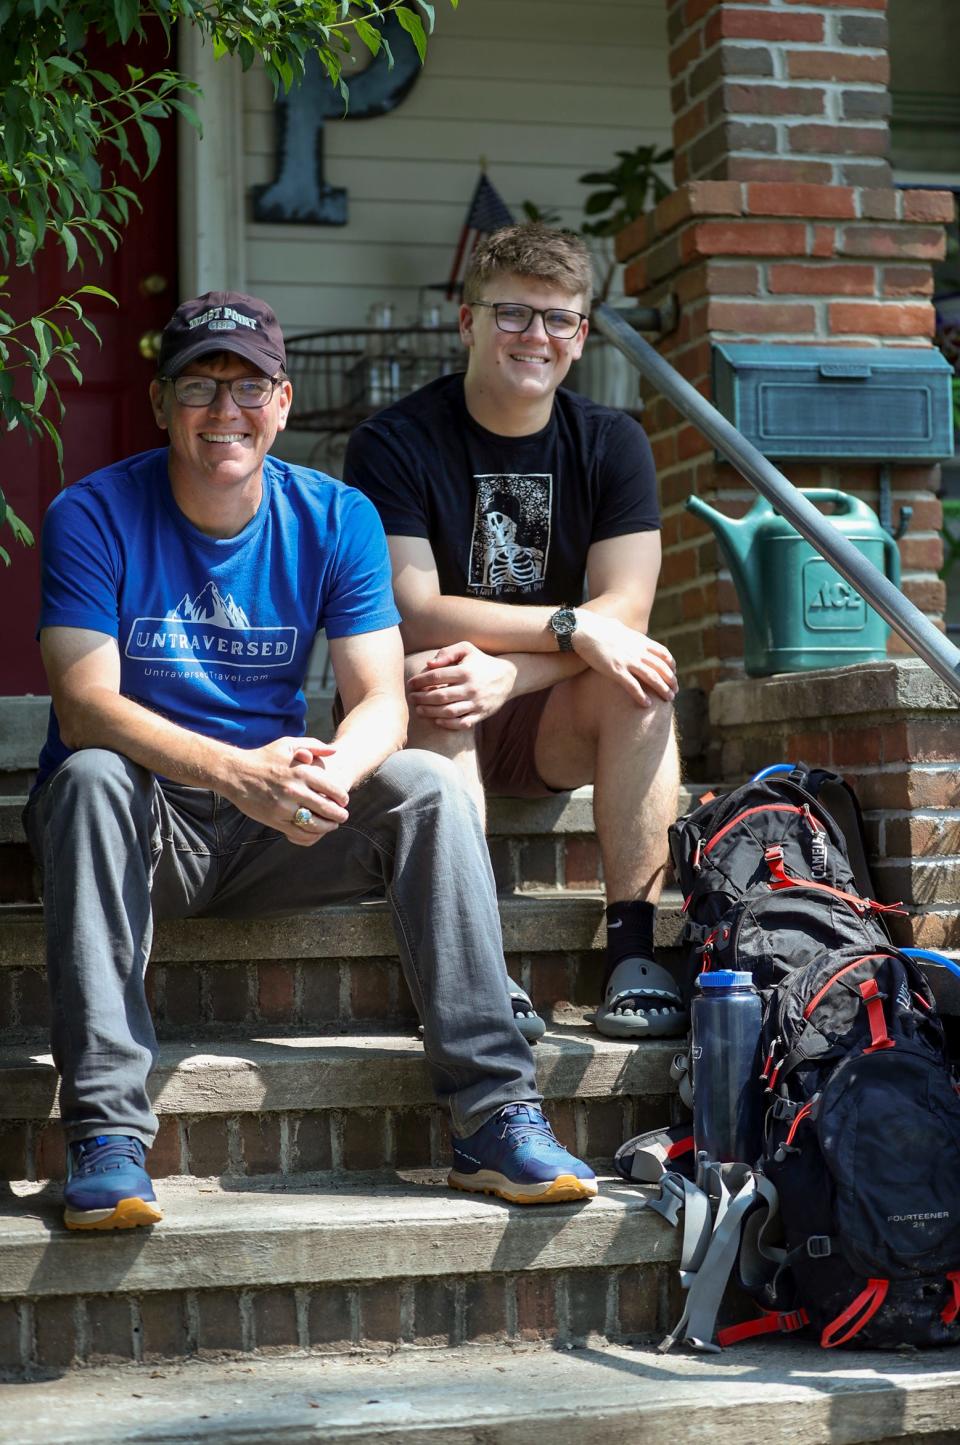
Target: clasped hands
{"points": [[272, 782], [460, 685]]}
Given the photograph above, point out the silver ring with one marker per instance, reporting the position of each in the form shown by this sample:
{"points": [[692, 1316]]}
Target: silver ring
{"points": [[303, 818]]}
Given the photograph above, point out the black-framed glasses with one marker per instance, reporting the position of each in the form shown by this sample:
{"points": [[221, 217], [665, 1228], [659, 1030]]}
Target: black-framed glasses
{"points": [[515, 316], [250, 392]]}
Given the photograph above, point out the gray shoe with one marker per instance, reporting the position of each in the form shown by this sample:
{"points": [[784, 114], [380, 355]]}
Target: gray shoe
{"points": [[525, 1016], [641, 1001]]}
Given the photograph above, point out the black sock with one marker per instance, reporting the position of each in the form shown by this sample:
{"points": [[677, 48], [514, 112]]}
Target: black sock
{"points": [[629, 932]]}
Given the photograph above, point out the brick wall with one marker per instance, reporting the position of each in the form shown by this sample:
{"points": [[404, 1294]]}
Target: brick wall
{"points": [[783, 227]]}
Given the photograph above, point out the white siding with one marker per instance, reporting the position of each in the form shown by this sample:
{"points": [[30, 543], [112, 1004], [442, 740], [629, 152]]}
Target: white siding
{"points": [[513, 81]]}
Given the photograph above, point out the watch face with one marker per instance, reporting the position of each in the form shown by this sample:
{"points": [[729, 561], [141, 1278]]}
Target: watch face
{"points": [[564, 622]]}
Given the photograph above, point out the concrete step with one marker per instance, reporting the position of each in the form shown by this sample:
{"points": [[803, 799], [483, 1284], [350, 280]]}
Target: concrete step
{"points": [[335, 968], [546, 842], [330, 1264], [782, 1391], [291, 1105]]}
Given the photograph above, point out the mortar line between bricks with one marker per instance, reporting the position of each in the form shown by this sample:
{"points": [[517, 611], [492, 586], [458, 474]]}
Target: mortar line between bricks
{"points": [[611, 1321], [510, 1305], [136, 1330], [301, 1299], [407, 1308], [26, 1329], [247, 1322], [81, 1322], [459, 1330], [191, 1315]]}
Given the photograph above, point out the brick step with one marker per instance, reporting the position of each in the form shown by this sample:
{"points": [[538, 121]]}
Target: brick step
{"points": [[335, 968], [329, 1264], [293, 1105], [776, 1390], [541, 843]]}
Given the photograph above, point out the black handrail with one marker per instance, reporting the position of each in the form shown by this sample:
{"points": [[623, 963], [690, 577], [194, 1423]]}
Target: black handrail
{"points": [[908, 621]]}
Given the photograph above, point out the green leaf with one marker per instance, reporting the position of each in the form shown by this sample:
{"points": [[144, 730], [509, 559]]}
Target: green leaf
{"points": [[428, 10], [70, 246], [19, 528], [413, 25], [90, 290], [151, 138], [369, 34], [3, 508]]}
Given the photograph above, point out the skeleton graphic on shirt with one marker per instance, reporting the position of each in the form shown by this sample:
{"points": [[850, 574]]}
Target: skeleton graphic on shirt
{"points": [[511, 531]]}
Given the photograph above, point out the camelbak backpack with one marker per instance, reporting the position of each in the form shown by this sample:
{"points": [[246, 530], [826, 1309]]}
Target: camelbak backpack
{"points": [[769, 876]]}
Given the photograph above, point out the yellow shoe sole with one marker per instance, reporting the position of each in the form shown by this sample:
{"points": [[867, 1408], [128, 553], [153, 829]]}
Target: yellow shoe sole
{"points": [[126, 1214], [565, 1189]]}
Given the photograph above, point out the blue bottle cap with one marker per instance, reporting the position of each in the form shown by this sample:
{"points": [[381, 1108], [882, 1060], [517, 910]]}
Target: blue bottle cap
{"points": [[725, 978]]}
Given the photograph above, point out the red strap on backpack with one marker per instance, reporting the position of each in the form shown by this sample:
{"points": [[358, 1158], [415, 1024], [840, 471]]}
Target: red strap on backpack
{"points": [[879, 1038], [769, 1323], [856, 1315], [780, 878], [950, 1311]]}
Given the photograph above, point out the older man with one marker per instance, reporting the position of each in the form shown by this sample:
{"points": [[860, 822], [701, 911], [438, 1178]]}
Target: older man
{"points": [[183, 589]]}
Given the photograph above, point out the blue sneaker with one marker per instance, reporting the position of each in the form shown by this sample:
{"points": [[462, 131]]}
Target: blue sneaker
{"points": [[107, 1185], [517, 1156]]}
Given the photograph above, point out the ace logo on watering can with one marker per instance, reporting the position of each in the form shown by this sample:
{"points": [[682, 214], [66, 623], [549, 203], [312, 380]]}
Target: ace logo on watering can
{"points": [[798, 612], [829, 603]]}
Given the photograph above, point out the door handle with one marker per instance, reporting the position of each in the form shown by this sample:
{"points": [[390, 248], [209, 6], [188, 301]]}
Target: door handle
{"points": [[149, 345]]}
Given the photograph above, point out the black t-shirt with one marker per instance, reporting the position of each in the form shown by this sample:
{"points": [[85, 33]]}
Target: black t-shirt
{"points": [[509, 518]]}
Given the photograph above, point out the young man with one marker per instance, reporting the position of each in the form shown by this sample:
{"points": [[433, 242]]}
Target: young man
{"points": [[502, 498], [182, 592]]}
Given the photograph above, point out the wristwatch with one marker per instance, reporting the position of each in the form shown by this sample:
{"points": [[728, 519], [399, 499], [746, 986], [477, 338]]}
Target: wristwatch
{"points": [[563, 624]]}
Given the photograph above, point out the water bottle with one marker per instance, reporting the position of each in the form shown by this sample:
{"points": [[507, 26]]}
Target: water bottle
{"points": [[727, 1092]]}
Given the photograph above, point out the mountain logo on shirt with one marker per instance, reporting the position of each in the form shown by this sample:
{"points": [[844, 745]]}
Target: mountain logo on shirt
{"points": [[209, 628], [210, 606]]}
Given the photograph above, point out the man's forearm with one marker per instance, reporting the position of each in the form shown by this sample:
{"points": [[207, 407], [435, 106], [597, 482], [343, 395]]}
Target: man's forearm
{"points": [[537, 670], [498, 627], [106, 719], [368, 735]]}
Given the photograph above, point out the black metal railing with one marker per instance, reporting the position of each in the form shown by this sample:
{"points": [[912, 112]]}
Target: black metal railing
{"points": [[906, 620]]}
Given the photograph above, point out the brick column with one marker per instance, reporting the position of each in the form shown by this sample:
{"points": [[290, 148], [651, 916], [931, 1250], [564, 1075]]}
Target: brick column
{"points": [[780, 90], [783, 227]]}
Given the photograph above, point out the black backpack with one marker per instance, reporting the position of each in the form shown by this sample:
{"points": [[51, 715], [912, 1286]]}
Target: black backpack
{"points": [[848, 1224], [862, 1144], [770, 877]]}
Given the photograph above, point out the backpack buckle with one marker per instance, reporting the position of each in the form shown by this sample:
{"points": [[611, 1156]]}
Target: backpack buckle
{"points": [[819, 1246], [792, 1320], [784, 1109]]}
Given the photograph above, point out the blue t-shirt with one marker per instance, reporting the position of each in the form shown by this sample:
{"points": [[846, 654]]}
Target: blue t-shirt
{"points": [[214, 633]]}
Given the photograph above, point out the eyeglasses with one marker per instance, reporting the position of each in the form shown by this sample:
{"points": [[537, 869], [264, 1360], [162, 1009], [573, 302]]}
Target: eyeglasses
{"points": [[514, 316], [250, 392]]}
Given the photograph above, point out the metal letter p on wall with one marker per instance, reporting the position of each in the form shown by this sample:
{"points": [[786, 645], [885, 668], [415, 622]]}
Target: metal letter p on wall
{"points": [[299, 194]]}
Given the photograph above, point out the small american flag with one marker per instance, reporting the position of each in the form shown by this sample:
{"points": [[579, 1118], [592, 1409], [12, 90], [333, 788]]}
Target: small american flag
{"points": [[488, 211]]}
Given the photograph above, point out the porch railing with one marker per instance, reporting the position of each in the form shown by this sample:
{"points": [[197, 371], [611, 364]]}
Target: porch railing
{"points": [[908, 621]]}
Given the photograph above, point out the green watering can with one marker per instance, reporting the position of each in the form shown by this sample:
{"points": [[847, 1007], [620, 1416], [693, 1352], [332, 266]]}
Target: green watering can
{"points": [[798, 612]]}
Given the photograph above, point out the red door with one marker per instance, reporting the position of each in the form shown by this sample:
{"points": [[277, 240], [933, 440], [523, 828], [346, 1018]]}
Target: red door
{"points": [[108, 417]]}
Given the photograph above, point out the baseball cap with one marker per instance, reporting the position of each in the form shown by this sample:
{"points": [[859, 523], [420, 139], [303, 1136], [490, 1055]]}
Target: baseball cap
{"points": [[222, 321]]}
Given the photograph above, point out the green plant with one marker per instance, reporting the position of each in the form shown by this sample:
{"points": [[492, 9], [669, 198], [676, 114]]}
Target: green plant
{"points": [[627, 190], [74, 140]]}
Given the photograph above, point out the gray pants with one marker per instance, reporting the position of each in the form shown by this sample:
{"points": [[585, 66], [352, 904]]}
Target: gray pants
{"points": [[120, 849]]}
